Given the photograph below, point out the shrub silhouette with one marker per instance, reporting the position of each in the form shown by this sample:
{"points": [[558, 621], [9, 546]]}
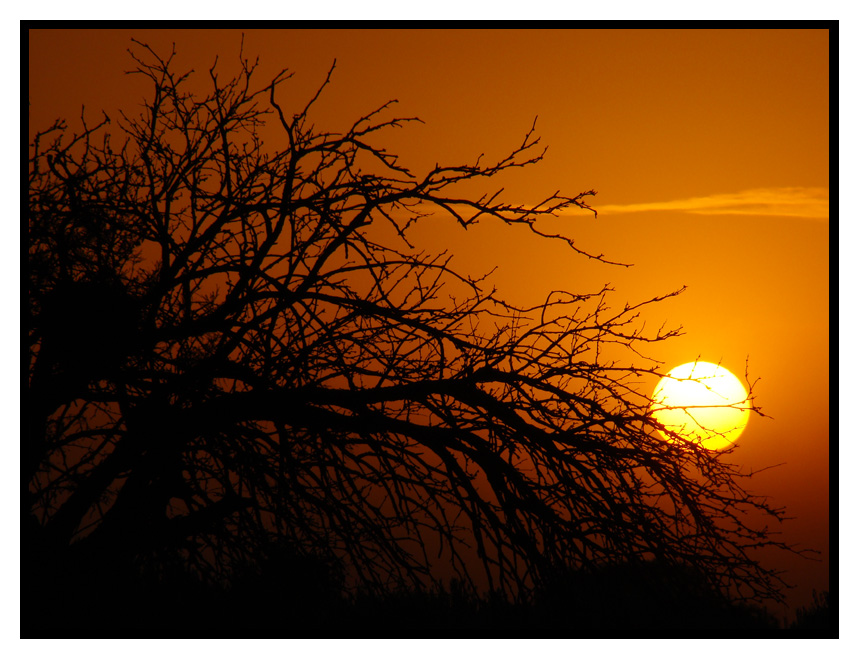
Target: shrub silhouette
{"points": [[816, 616]]}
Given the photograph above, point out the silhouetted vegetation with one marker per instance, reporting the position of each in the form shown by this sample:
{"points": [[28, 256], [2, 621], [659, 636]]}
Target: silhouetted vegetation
{"points": [[289, 595], [234, 347], [816, 616]]}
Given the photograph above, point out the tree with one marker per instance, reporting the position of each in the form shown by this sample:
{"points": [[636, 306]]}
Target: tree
{"points": [[233, 347]]}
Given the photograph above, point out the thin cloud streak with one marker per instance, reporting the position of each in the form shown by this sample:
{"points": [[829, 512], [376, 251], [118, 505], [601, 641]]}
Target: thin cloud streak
{"points": [[792, 202]]}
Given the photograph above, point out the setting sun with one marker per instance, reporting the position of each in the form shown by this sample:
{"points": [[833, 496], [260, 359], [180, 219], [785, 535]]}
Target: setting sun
{"points": [[702, 401]]}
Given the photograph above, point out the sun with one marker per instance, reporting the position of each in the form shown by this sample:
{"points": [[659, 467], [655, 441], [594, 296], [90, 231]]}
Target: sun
{"points": [[702, 402]]}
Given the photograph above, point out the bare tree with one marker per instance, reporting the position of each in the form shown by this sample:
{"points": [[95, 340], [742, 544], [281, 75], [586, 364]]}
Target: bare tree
{"points": [[230, 345]]}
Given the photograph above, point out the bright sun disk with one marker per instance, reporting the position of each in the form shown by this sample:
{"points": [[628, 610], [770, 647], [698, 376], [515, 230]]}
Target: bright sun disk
{"points": [[702, 402]]}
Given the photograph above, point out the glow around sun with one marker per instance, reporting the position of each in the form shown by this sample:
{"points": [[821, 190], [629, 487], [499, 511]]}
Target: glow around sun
{"points": [[702, 402]]}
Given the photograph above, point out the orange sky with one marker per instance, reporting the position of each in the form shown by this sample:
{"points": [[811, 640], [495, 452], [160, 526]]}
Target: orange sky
{"points": [[709, 149]]}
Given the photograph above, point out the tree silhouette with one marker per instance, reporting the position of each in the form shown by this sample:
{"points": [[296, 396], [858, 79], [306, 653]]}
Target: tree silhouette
{"points": [[233, 347]]}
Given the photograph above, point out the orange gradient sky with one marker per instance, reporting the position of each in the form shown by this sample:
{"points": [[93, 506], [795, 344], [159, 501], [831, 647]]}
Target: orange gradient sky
{"points": [[709, 150]]}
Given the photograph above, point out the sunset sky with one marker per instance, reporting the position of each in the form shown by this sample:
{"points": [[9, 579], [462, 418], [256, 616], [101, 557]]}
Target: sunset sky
{"points": [[709, 150]]}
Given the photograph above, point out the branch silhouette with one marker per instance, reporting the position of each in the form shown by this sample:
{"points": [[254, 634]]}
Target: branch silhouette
{"points": [[224, 352]]}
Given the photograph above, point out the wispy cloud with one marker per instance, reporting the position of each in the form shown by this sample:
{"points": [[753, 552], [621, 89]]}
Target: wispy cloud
{"points": [[792, 202]]}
